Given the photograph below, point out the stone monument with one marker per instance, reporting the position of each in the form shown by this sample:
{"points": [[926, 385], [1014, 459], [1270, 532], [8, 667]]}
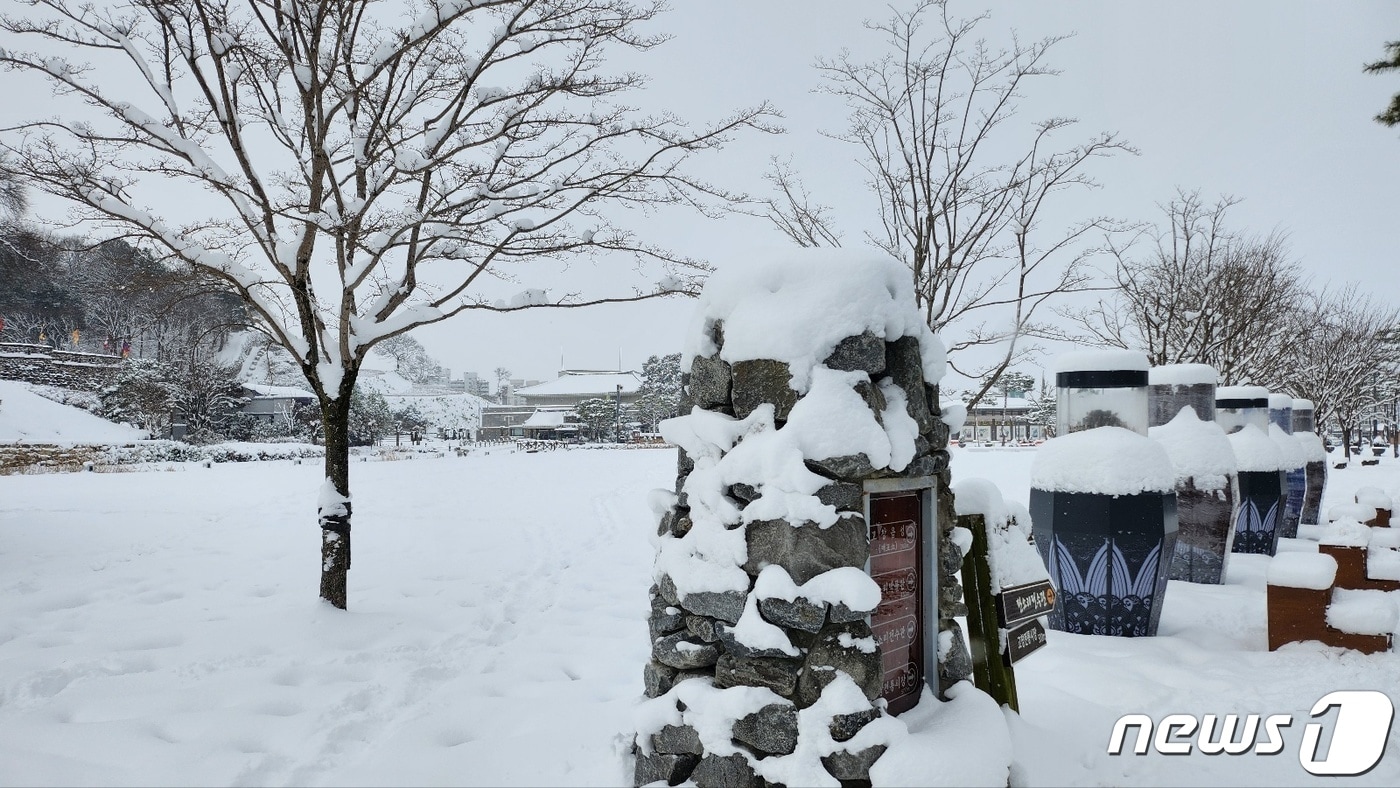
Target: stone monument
{"points": [[805, 584]]}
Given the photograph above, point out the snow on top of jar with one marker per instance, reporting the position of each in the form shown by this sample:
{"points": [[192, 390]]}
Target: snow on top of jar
{"points": [[1257, 394], [1183, 375], [1101, 361]]}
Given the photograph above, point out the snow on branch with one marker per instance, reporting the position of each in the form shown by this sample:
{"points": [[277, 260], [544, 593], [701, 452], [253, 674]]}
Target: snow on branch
{"points": [[356, 171]]}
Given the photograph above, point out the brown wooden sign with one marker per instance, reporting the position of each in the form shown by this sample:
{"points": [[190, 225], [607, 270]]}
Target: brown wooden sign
{"points": [[1025, 639], [896, 565], [1022, 603]]}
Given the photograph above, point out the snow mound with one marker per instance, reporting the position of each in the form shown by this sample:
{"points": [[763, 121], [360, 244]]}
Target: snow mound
{"points": [[1310, 445], [1256, 452], [1351, 511], [1382, 563], [1199, 450], [1106, 461], [1289, 450], [1373, 497], [1303, 570], [26, 417], [1345, 533], [1362, 612], [1013, 560], [798, 304], [1280, 402]]}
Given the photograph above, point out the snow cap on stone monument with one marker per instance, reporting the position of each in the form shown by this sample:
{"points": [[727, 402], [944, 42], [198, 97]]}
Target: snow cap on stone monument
{"points": [[796, 305]]}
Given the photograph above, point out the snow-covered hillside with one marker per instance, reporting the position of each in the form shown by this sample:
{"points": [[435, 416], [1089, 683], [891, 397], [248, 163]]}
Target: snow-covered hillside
{"points": [[28, 417]]}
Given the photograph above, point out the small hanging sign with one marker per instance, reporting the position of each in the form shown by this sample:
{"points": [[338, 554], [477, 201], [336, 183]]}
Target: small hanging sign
{"points": [[1025, 639]]}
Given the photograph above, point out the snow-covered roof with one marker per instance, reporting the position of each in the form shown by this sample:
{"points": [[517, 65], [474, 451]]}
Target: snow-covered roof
{"points": [[589, 384], [994, 404], [291, 392], [545, 419]]}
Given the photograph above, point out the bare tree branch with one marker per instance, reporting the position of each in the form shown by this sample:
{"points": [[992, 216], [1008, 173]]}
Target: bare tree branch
{"points": [[373, 164], [968, 222]]}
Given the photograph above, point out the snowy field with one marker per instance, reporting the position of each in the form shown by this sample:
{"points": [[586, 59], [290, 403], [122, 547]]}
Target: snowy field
{"points": [[162, 628]]}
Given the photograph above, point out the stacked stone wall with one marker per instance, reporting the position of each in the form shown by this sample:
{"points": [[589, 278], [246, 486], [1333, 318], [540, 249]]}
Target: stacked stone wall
{"points": [[694, 635], [45, 366]]}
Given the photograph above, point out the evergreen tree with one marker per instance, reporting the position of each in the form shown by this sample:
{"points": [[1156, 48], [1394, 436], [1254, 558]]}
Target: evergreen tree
{"points": [[142, 395], [407, 418], [370, 417], [598, 414], [1043, 410], [209, 395], [1391, 115], [659, 396]]}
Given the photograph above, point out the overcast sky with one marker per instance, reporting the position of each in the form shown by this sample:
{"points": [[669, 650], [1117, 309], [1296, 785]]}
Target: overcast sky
{"points": [[1265, 101]]}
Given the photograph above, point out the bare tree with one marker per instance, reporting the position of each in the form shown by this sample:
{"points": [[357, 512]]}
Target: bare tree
{"points": [[1196, 291], [374, 163], [13, 201], [928, 118], [1348, 358], [502, 384]]}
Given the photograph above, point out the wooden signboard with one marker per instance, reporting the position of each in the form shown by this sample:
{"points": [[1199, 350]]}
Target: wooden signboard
{"points": [[1023, 603], [899, 566]]}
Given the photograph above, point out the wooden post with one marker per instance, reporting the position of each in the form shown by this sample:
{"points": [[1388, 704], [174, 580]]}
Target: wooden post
{"points": [[991, 667]]}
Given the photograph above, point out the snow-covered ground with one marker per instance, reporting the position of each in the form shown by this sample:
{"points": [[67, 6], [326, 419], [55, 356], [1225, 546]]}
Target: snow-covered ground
{"points": [[28, 417], [163, 628]]}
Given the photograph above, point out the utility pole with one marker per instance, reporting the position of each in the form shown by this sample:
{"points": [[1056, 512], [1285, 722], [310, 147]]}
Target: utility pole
{"points": [[617, 414]]}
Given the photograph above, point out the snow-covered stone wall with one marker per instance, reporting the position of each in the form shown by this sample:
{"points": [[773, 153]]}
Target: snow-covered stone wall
{"points": [[808, 375], [47, 367]]}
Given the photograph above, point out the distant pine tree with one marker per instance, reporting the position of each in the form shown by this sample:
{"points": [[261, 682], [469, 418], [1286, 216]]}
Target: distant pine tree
{"points": [[1391, 115], [659, 396]]}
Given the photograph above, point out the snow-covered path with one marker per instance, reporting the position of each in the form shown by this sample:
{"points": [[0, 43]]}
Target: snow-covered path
{"points": [[162, 628]]}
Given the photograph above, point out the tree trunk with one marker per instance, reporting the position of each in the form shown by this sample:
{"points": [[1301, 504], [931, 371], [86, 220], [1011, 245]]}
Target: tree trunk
{"points": [[1346, 442], [335, 522]]}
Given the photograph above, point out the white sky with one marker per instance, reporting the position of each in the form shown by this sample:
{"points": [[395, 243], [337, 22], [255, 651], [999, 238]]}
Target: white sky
{"points": [[1262, 100], [1265, 101]]}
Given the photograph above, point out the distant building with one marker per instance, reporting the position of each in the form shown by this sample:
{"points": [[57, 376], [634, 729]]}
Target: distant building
{"points": [[507, 393], [267, 403], [576, 385], [551, 425], [473, 383], [1001, 419], [502, 422]]}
